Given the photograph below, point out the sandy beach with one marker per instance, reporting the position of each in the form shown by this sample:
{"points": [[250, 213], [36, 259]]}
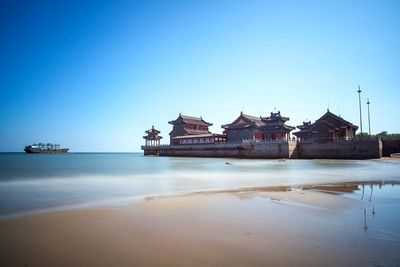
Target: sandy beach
{"points": [[314, 226]]}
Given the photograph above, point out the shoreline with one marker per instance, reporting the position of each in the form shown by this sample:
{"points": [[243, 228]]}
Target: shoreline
{"points": [[121, 202], [314, 225]]}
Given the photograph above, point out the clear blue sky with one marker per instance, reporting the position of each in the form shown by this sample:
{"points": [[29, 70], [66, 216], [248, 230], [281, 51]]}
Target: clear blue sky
{"points": [[93, 75]]}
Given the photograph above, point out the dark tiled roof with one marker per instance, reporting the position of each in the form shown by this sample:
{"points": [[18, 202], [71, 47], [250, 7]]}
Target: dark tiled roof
{"points": [[191, 120], [306, 125], [152, 134], [339, 121], [256, 120], [275, 116], [250, 122], [276, 123], [152, 130]]}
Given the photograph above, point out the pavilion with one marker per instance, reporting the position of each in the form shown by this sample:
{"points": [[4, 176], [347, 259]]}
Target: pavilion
{"points": [[152, 138]]}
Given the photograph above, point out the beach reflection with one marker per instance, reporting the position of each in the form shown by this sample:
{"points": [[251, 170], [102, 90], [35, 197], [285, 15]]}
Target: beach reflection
{"points": [[362, 215], [384, 196], [365, 221]]}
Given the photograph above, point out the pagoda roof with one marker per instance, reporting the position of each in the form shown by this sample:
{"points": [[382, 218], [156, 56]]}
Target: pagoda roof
{"points": [[275, 116], [329, 119], [190, 120], [276, 123], [152, 137], [336, 121], [152, 130], [244, 121], [152, 134], [305, 126]]}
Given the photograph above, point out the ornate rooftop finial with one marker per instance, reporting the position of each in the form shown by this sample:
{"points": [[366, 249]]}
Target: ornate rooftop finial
{"points": [[241, 112]]}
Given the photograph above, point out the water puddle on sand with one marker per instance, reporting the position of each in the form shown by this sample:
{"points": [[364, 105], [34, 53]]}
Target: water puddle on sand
{"points": [[379, 210]]}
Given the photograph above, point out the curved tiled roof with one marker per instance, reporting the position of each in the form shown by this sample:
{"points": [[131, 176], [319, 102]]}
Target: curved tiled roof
{"points": [[248, 120], [190, 120], [339, 121]]}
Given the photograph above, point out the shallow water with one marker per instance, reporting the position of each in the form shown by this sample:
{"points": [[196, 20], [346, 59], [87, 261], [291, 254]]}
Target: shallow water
{"points": [[37, 183], [378, 214]]}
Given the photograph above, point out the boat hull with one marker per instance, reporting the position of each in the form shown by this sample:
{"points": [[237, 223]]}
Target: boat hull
{"points": [[46, 151]]}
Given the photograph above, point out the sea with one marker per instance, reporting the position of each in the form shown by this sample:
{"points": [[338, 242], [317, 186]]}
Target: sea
{"points": [[37, 183]]}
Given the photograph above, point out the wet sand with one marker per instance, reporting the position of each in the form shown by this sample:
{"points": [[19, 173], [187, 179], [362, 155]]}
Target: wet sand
{"points": [[234, 228]]}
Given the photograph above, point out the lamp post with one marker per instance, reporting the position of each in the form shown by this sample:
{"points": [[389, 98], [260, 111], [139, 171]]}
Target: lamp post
{"points": [[369, 121], [359, 103]]}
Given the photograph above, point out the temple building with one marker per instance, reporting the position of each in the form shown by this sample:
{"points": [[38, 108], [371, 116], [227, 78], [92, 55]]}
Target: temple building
{"points": [[246, 127], [305, 133], [274, 127], [328, 128], [192, 130], [152, 138]]}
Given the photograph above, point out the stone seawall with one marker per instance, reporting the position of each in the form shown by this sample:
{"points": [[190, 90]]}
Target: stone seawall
{"points": [[210, 151], [391, 145], [274, 150], [341, 150]]}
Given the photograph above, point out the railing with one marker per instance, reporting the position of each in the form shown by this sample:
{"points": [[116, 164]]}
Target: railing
{"points": [[271, 141], [224, 144], [339, 139]]}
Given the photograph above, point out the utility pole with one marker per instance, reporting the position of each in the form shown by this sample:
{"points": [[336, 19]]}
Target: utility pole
{"points": [[359, 103], [369, 121]]}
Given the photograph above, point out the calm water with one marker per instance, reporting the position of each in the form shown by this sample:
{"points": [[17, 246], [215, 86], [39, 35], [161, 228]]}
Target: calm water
{"points": [[38, 183]]}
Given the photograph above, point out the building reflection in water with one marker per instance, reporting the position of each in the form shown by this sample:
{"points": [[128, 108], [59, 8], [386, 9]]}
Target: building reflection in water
{"points": [[362, 195], [365, 221], [372, 189], [365, 218]]}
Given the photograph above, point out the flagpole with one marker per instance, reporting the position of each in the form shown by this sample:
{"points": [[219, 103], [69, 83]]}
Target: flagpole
{"points": [[359, 103]]}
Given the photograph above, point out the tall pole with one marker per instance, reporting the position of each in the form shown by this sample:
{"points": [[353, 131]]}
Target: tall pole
{"points": [[359, 103], [369, 121]]}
